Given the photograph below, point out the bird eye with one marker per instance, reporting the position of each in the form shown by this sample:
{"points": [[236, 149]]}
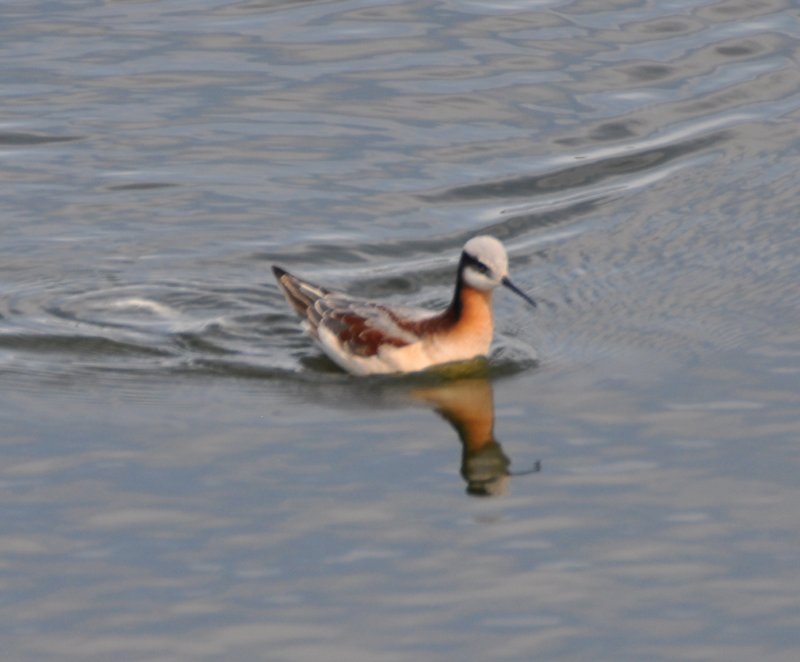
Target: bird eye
{"points": [[476, 264]]}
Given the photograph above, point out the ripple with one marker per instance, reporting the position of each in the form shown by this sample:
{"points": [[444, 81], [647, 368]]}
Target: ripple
{"points": [[589, 173], [16, 138], [74, 344]]}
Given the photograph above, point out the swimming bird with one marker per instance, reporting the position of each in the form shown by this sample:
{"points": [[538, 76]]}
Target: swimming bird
{"points": [[367, 337]]}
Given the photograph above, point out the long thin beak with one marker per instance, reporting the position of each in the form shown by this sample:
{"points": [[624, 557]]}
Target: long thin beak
{"points": [[516, 290]]}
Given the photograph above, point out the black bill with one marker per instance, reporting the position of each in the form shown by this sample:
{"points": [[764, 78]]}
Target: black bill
{"points": [[516, 290]]}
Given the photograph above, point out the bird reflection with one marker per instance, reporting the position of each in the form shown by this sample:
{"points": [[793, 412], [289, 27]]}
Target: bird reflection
{"points": [[468, 405]]}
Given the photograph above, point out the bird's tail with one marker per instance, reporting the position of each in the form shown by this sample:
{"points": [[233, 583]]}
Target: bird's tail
{"points": [[299, 293]]}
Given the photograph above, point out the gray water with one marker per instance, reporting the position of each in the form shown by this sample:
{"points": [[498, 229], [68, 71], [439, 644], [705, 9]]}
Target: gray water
{"points": [[185, 477]]}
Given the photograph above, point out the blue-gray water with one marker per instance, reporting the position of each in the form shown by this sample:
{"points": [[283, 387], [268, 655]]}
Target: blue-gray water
{"points": [[184, 477]]}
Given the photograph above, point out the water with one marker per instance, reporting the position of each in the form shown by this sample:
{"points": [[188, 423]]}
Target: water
{"points": [[185, 477]]}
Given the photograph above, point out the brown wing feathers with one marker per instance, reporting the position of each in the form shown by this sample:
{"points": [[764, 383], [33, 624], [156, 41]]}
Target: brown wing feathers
{"points": [[354, 322]]}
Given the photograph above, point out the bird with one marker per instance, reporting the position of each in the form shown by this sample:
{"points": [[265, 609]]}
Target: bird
{"points": [[366, 337]]}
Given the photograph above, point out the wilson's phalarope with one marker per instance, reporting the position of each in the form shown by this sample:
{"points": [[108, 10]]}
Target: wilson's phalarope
{"points": [[366, 337]]}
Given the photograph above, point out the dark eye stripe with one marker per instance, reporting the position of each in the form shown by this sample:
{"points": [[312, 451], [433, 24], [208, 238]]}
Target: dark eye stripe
{"points": [[476, 264]]}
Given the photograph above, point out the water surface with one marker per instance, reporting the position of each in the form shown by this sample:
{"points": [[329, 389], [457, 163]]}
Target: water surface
{"points": [[184, 476]]}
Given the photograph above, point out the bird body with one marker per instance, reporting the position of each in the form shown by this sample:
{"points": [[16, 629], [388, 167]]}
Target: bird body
{"points": [[367, 337]]}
